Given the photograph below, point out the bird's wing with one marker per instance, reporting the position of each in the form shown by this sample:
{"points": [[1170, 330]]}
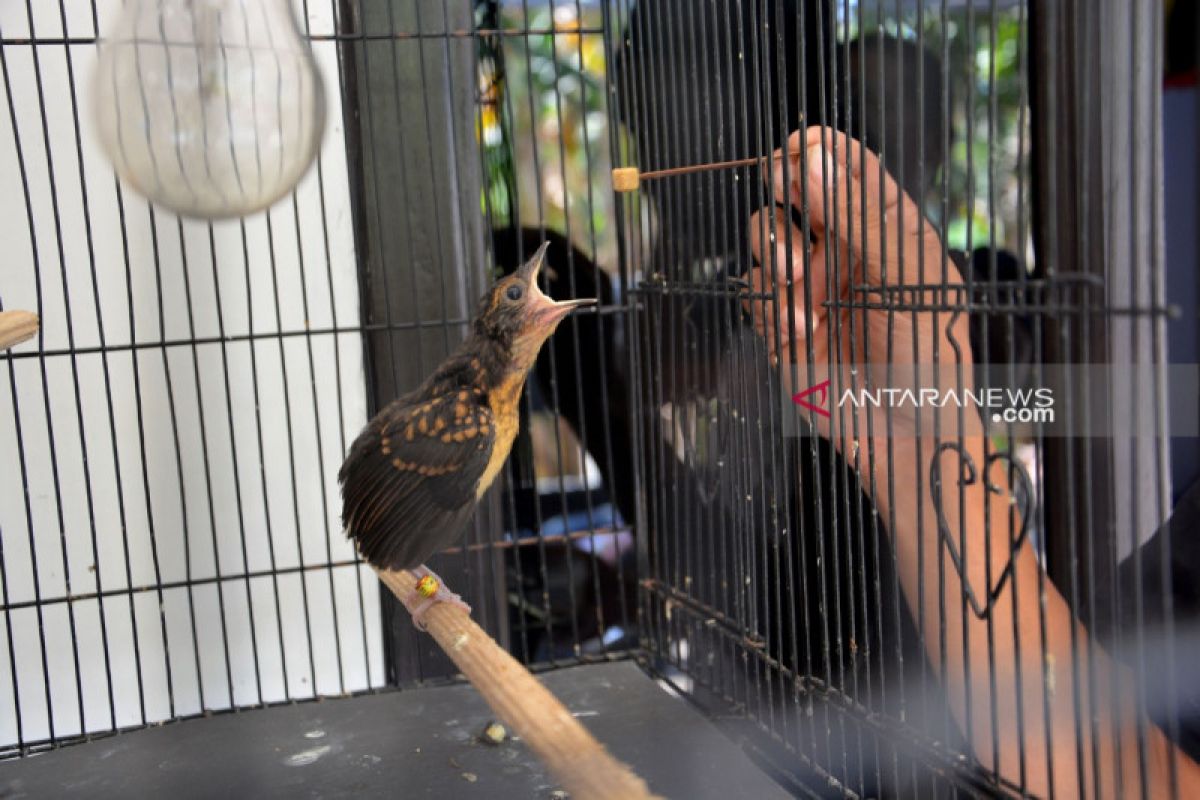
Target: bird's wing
{"points": [[408, 485]]}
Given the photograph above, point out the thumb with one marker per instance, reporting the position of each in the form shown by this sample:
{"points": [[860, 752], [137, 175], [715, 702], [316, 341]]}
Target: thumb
{"points": [[853, 201]]}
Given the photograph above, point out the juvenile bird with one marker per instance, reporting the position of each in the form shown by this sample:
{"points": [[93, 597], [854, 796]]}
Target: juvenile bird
{"points": [[415, 473]]}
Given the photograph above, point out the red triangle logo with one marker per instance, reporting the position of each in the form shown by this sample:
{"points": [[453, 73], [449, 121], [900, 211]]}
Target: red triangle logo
{"points": [[821, 388]]}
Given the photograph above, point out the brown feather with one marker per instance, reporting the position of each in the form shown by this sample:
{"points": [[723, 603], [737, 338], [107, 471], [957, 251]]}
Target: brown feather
{"points": [[414, 474], [402, 506]]}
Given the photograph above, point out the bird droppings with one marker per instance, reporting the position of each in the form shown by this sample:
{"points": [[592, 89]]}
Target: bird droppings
{"points": [[460, 642], [306, 757], [493, 733], [317, 734], [559, 794], [470, 777]]}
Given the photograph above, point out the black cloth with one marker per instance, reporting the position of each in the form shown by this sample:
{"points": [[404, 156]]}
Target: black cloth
{"points": [[1170, 613]]}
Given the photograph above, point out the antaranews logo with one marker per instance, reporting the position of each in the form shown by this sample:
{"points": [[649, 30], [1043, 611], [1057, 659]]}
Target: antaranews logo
{"points": [[1000, 404], [820, 403], [1099, 400]]}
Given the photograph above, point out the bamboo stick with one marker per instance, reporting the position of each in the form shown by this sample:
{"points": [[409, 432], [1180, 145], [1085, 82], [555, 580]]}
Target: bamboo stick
{"points": [[16, 327], [627, 179], [587, 771]]}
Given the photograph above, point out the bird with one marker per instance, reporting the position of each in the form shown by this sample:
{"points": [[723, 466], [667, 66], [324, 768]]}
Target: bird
{"points": [[582, 376], [414, 474]]}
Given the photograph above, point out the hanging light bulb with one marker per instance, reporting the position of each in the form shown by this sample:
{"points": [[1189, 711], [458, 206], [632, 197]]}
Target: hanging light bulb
{"points": [[211, 108]]}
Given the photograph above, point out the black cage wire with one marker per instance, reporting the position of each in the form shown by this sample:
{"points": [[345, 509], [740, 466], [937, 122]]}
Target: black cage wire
{"points": [[168, 508]]}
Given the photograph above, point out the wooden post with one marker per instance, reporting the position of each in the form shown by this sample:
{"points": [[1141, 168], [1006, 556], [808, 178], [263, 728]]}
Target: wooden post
{"points": [[16, 327], [416, 178], [581, 763]]}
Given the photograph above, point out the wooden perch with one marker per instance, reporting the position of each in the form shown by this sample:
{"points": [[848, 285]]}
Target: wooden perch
{"points": [[584, 767], [16, 327]]}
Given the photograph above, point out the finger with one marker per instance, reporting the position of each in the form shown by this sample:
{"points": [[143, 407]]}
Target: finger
{"points": [[852, 200], [829, 154], [819, 175], [779, 248], [870, 214], [862, 162], [761, 310], [786, 164], [769, 316], [756, 306]]}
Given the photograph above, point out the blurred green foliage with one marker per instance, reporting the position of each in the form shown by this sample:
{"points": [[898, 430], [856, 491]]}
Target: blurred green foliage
{"points": [[987, 172], [544, 109], [542, 106]]}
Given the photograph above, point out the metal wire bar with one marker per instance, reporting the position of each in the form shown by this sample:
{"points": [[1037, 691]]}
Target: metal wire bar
{"points": [[1002, 311], [394, 36], [118, 439], [768, 584], [194, 581]]}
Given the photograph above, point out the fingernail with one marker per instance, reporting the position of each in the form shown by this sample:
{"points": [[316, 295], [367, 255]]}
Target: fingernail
{"points": [[777, 184], [816, 323], [798, 335]]}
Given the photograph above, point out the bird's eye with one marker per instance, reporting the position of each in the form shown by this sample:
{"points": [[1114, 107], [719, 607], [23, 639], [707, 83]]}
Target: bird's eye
{"points": [[515, 291]]}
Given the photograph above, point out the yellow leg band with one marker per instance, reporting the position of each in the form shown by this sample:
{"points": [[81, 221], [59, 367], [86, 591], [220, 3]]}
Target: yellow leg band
{"points": [[427, 586]]}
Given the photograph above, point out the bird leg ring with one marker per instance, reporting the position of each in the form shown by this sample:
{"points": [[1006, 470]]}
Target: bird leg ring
{"points": [[429, 591]]}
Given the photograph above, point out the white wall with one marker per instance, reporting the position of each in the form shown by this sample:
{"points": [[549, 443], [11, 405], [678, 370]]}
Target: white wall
{"points": [[177, 425]]}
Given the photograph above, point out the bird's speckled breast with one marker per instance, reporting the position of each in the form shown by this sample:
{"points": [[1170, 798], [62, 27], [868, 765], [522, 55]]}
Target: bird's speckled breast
{"points": [[502, 399]]}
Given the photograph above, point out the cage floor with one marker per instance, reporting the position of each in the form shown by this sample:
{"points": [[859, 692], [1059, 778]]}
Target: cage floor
{"points": [[411, 744]]}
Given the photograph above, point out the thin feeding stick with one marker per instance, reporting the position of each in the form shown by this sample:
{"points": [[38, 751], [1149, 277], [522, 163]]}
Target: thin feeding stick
{"points": [[627, 179]]}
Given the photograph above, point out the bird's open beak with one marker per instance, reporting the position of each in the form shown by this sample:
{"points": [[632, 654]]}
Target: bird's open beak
{"points": [[543, 310], [529, 270]]}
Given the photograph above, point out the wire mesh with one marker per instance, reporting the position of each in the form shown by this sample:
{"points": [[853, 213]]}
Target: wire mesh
{"points": [[171, 536], [170, 530], [781, 584], [171, 541]]}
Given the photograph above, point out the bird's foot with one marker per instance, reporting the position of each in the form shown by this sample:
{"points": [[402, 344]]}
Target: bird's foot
{"points": [[429, 591]]}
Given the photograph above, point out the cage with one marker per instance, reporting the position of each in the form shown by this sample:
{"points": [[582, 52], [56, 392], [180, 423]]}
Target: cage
{"points": [[696, 506]]}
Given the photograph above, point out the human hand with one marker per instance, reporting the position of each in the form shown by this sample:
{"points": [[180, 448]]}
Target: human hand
{"points": [[865, 294]]}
